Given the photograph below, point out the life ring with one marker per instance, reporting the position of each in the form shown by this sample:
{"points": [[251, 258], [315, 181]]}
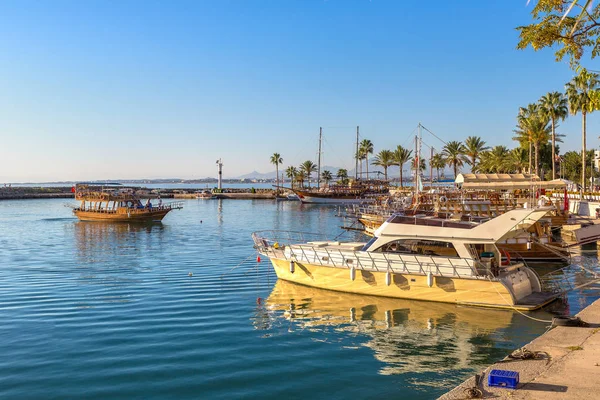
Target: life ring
{"points": [[443, 199]]}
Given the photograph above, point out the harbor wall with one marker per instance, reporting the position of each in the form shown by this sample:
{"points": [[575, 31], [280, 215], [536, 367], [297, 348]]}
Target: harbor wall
{"points": [[566, 365], [22, 193]]}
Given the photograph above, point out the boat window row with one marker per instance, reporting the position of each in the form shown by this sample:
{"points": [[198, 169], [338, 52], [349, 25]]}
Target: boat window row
{"points": [[419, 247]]}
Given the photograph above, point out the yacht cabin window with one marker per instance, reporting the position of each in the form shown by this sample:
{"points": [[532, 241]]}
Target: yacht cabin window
{"points": [[419, 247]]}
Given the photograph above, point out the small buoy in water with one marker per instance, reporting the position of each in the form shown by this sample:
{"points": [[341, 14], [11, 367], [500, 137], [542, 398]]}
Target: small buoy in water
{"points": [[200, 221], [258, 259], [258, 300], [190, 274]]}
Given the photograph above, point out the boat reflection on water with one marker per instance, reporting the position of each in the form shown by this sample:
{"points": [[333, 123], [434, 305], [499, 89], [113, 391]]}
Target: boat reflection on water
{"points": [[408, 336], [111, 257]]}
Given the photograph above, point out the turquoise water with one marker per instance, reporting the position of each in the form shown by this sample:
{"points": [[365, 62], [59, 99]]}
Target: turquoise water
{"points": [[96, 311]]}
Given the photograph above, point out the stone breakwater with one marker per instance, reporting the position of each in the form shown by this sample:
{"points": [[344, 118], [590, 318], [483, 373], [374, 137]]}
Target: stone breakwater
{"points": [[566, 365], [18, 193]]}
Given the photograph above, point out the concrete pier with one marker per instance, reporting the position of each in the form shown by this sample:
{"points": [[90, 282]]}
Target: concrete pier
{"points": [[567, 367]]}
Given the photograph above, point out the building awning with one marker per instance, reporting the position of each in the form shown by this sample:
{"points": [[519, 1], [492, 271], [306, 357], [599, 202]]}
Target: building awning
{"points": [[513, 185]]}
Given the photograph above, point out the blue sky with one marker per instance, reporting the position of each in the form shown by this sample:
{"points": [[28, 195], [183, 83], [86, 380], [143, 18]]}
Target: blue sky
{"points": [[151, 89]]}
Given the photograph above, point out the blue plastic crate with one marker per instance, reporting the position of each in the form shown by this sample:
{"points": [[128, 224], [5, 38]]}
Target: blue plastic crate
{"points": [[502, 378]]}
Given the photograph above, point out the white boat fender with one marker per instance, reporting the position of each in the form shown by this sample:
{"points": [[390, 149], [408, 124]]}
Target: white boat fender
{"points": [[292, 267], [443, 199], [429, 279], [388, 278], [352, 273]]}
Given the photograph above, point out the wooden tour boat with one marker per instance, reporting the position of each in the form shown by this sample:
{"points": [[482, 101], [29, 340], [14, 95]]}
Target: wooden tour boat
{"points": [[115, 203]]}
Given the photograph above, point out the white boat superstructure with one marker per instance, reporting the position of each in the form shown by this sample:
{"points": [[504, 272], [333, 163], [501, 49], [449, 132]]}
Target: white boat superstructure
{"points": [[419, 257]]}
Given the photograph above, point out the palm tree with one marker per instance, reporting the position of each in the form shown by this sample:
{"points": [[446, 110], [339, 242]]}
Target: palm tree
{"points": [[384, 159], [326, 176], [454, 154], [366, 148], [437, 162], [473, 147], [276, 159], [308, 167], [493, 161], [536, 130], [524, 136], [343, 175], [300, 177], [554, 106], [401, 157], [578, 94], [517, 160], [291, 173]]}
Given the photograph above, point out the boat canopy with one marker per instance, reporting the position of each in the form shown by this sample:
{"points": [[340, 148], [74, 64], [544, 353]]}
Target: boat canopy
{"points": [[506, 181]]}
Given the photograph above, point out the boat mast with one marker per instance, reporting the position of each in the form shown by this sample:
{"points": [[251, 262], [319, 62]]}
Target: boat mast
{"points": [[319, 162], [356, 156], [431, 169], [416, 162]]}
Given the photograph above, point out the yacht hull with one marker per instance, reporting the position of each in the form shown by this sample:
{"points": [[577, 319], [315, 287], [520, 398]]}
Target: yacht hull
{"points": [[476, 292]]}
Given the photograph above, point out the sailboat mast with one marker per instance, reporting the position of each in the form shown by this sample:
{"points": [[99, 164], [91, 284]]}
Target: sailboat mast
{"points": [[356, 157], [416, 162], [431, 169], [319, 163]]}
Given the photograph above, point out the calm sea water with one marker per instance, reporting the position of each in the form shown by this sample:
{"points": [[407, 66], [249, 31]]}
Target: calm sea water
{"points": [[96, 311]]}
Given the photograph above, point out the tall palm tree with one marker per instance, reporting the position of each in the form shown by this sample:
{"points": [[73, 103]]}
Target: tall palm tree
{"points": [[493, 161], [401, 157], [308, 167], [326, 176], [291, 172], [536, 130], [437, 162], [554, 106], [366, 148], [474, 146], [578, 94], [517, 160], [300, 177], [343, 175], [454, 154], [524, 136], [384, 159], [276, 159]]}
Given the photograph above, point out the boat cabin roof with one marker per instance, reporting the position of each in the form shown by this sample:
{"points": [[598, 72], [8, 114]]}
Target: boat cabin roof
{"points": [[430, 221]]}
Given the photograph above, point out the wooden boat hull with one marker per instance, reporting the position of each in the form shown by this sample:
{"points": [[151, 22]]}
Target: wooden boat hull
{"points": [[476, 292], [137, 216]]}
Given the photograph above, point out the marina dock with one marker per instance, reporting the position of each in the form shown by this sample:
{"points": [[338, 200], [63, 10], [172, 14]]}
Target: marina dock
{"points": [[64, 192], [566, 364]]}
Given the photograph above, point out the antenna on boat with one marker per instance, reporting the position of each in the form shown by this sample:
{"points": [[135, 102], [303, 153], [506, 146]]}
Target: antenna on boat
{"points": [[356, 156], [220, 164], [319, 160]]}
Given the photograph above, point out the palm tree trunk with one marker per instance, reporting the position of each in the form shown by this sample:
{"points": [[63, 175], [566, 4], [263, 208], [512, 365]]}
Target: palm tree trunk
{"points": [[367, 164], [536, 146], [529, 171], [454, 165], [438, 173], [401, 180], [553, 155], [473, 164], [583, 151], [385, 172], [277, 179]]}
